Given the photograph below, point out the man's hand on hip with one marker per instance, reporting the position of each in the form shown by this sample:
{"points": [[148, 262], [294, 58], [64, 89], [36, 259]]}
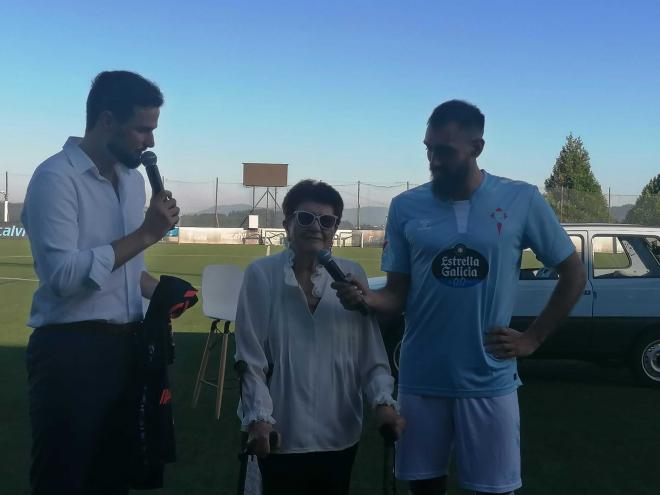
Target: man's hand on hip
{"points": [[507, 343]]}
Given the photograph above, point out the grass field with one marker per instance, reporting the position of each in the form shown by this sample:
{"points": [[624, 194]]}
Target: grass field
{"points": [[585, 429]]}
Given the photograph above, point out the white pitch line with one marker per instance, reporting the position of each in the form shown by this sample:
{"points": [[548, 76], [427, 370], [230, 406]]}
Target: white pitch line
{"points": [[20, 279], [237, 256], [228, 256]]}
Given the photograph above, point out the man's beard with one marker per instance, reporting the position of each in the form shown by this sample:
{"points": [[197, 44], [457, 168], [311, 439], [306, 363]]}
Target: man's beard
{"points": [[127, 159], [446, 182]]}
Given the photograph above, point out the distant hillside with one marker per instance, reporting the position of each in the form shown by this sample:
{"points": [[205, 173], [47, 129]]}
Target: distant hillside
{"points": [[225, 209], [233, 215], [369, 215], [619, 212]]}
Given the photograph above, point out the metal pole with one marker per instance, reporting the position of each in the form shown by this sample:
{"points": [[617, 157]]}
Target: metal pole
{"points": [[358, 206], [217, 222], [609, 204], [407, 186], [267, 198], [561, 204], [6, 199]]}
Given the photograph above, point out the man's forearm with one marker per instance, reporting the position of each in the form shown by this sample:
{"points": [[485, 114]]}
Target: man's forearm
{"points": [[130, 246], [566, 294]]}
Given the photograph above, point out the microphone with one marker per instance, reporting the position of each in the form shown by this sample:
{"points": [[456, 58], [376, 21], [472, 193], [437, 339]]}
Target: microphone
{"points": [[149, 160], [325, 258]]}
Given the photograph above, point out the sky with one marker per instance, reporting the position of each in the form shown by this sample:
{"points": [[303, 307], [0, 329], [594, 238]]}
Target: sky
{"points": [[341, 90]]}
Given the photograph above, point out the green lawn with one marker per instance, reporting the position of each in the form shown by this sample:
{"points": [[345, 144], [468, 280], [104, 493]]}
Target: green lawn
{"points": [[585, 429]]}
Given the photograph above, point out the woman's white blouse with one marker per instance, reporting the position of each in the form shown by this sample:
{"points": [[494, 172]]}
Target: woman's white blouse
{"points": [[322, 362]]}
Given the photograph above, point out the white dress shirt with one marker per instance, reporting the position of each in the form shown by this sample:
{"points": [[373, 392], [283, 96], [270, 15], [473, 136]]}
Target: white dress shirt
{"points": [[323, 362], [71, 215]]}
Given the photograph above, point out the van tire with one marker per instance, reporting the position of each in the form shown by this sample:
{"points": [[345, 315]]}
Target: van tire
{"points": [[645, 358]]}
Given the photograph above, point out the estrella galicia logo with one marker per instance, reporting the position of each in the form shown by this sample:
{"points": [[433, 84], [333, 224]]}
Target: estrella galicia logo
{"points": [[460, 267]]}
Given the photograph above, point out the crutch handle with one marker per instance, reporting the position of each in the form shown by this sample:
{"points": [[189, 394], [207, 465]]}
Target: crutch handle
{"points": [[273, 442], [388, 434], [240, 367]]}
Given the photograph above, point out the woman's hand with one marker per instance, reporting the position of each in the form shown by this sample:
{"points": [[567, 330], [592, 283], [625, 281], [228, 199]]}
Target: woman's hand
{"points": [[259, 438], [386, 416]]}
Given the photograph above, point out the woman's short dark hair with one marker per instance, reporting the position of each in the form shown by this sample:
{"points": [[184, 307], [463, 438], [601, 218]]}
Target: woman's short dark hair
{"points": [[120, 92], [312, 190]]}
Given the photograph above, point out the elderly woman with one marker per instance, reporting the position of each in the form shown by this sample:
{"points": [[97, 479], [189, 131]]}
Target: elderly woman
{"points": [[323, 358]]}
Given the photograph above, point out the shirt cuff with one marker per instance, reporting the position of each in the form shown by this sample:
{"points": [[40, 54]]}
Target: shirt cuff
{"points": [[385, 400], [259, 415], [103, 261], [379, 391]]}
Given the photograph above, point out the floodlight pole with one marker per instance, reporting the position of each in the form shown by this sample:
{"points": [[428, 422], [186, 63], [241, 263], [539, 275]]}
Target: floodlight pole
{"points": [[6, 206], [267, 197], [358, 205], [217, 222], [5, 195]]}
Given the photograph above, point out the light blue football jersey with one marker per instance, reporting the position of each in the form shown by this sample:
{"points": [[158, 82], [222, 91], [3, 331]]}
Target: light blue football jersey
{"points": [[463, 283]]}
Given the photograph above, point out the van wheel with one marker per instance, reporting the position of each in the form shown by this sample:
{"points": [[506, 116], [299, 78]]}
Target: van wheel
{"points": [[645, 359]]}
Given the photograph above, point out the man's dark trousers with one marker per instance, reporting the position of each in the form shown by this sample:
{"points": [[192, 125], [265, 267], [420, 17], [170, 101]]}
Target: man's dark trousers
{"points": [[82, 408]]}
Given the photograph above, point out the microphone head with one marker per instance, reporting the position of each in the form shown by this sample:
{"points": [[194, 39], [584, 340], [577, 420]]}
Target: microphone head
{"points": [[324, 256], [148, 158]]}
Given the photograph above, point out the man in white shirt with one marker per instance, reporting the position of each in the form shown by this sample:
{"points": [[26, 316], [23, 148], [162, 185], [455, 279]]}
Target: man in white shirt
{"points": [[84, 217]]}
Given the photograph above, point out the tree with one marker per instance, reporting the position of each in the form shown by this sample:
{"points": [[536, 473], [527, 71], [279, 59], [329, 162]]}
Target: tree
{"points": [[647, 207], [572, 190]]}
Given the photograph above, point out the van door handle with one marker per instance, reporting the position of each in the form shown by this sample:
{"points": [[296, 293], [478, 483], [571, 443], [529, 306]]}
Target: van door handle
{"points": [[587, 292]]}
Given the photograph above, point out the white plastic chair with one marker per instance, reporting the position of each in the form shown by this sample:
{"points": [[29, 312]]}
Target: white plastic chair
{"points": [[221, 285]]}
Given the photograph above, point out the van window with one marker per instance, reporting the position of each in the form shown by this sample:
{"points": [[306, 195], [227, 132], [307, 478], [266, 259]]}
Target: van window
{"points": [[654, 243], [625, 256], [532, 269]]}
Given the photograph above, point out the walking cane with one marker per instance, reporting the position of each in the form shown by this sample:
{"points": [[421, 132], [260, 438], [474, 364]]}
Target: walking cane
{"points": [[246, 450], [389, 480]]}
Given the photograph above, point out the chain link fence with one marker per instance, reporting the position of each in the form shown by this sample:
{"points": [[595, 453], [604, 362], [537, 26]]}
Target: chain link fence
{"points": [[581, 207], [212, 203]]}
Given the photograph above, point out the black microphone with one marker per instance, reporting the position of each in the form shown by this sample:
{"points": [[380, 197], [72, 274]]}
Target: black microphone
{"points": [[149, 160], [325, 258]]}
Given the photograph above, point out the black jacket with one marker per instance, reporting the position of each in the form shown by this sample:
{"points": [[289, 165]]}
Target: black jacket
{"points": [[154, 443]]}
